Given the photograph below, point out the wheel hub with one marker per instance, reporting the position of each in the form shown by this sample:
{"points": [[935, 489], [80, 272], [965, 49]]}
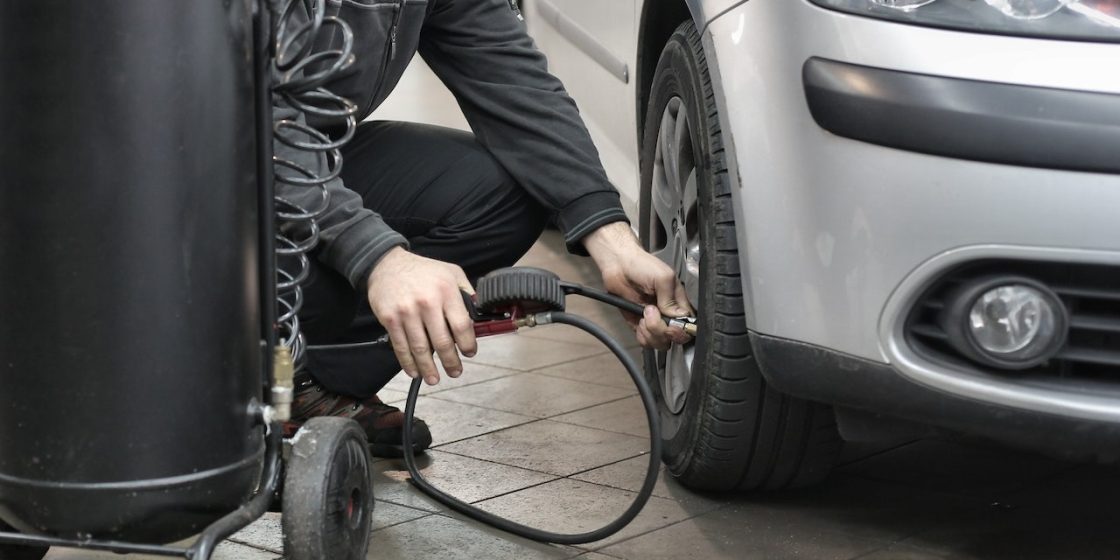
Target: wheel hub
{"points": [[675, 236]]}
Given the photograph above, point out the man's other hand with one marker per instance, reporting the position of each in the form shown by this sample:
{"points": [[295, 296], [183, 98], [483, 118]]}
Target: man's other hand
{"points": [[629, 271], [419, 303]]}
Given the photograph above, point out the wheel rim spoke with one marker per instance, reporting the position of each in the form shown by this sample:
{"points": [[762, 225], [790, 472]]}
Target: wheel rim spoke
{"points": [[688, 198], [665, 200], [675, 214]]}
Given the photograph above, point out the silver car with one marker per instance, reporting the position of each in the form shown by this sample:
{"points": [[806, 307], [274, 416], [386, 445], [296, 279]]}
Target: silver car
{"points": [[893, 216]]}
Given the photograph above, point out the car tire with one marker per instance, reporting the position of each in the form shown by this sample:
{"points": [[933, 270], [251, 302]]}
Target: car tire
{"points": [[723, 426]]}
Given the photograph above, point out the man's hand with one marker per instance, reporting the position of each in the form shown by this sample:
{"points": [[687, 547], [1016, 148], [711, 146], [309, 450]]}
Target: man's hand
{"points": [[629, 271], [419, 303]]}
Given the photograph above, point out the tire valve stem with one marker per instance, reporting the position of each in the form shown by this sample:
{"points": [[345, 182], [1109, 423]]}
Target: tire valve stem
{"points": [[688, 325], [283, 383]]}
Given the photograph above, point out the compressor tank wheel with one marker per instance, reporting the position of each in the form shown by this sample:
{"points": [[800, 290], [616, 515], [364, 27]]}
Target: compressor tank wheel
{"points": [[328, 492]]}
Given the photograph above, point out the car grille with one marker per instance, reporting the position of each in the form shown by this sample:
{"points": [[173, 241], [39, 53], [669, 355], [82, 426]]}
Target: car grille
{"points": [[1091, 293]]}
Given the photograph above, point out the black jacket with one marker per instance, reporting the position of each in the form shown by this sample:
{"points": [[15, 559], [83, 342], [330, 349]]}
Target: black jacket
{"points": [[518, 111]]}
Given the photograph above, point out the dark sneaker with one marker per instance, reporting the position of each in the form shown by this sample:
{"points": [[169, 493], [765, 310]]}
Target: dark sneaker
{"points": [[383, 424]]}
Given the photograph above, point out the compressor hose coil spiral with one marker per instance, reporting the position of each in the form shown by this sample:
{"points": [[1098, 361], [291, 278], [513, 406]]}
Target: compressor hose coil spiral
{"points": [[299, 76]]}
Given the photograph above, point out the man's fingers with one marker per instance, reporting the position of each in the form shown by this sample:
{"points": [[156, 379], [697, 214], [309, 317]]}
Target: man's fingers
{"points": [[683, 302], [660, 333], [442, 342], [420, 349], [651, 330], [463, 282], [643, 335], [462, 328], [671, 297], [399, 341]]}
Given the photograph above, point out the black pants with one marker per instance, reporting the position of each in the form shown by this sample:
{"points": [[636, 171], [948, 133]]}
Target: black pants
{"points": [[440, 189]]}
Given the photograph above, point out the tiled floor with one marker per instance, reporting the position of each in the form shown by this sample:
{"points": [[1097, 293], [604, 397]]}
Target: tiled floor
{"points": [[544, 427]]}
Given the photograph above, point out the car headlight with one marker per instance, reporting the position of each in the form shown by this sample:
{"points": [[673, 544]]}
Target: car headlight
{"points": [[1094, 20]]}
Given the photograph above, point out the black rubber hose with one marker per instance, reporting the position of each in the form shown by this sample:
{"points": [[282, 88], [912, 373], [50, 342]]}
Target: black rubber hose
{"points": [[525, 531], [604, 297]]}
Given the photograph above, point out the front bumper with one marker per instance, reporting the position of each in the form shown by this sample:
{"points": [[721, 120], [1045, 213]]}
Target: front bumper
{"points": [[875, 386], [850, 198]]}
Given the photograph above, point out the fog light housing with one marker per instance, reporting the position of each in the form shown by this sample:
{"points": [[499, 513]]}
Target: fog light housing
{"points": [[1006, 322]]}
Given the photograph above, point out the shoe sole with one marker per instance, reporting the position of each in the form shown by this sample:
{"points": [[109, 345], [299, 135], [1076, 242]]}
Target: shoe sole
{"points": [[396, 451]]}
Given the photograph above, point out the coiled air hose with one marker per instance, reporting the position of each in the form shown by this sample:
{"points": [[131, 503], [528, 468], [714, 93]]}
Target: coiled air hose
{"points": [[505, 294], [299, 74]]}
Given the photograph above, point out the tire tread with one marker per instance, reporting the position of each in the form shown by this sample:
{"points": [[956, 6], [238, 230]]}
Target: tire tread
{"points": [[750, 436]]}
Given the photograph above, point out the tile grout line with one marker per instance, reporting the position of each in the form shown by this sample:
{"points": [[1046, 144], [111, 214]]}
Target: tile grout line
{"points": [[876, 454], [494, 431], [558, 476], [512, 373], [554, 376], [426, 515], [565, 362], [253, 546], [581, 409]]}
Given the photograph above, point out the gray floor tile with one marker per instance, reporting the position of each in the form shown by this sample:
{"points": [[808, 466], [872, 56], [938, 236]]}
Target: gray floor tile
{"points": [[852, 452], [572, 506], [631, 473], [387, 514], [563, 333], [625, 416], [1094, 490], [951, 466], [264, 533], [451, 421], [551, 447], [473, 372], [728, 534], [863, 508], [1022, 533], [1071, 515], [438, 537], [902, 552], [465, 478], [390, 484], [531, 394], [600, 370], [527, 354], [225, 551], [392, 396]]}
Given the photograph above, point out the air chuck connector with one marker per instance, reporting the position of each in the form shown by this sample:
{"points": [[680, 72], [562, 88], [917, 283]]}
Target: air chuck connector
{"points": [[512, 298], [686, 324], [283, 384]]}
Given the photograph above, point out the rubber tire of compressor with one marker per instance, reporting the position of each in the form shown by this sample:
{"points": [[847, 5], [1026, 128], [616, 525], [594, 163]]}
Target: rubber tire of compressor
{"points": [[17, 552], [735, 432], [328, 492]]}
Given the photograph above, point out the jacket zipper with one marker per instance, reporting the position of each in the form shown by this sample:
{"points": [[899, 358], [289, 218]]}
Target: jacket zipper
{"points": [[516, 9], [390, 53]]}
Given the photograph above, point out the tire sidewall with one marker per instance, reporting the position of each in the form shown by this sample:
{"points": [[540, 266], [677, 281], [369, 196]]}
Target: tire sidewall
{"points": [[679, 75]]}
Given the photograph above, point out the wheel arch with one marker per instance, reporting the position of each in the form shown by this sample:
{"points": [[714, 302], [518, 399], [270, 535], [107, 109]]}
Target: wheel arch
{"points": [[659, 19]]}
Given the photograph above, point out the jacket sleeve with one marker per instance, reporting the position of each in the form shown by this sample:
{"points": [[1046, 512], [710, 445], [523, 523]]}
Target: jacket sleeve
{"points": [[352, 237], [519, 111]]}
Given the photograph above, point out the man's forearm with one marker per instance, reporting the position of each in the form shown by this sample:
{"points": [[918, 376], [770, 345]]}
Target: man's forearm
{"points": [[607, 243]]}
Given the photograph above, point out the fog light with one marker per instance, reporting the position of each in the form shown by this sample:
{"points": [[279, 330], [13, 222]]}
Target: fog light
{"points": [[1006, 322], [904, 5]]}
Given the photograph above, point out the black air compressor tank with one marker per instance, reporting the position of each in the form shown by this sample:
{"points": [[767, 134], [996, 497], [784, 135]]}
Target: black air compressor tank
{"points": [[129, 307]]}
